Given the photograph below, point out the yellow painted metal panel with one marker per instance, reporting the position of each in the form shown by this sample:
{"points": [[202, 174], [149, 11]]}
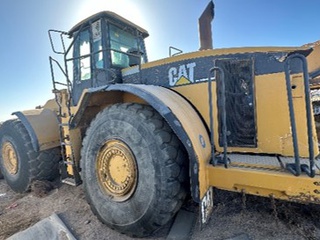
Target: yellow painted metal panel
{"points": [[217, 52], [313, 58], [266, 183], [45, 125], [272, 114], [274, 131], [197, 94], [52, 105]]}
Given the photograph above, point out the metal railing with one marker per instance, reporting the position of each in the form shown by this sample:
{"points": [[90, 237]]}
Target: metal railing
{"points": [[221, 108], [296, 168]]}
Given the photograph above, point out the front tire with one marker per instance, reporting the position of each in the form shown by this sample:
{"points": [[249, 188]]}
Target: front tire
{"points": [[19, 163], [134, 169]]}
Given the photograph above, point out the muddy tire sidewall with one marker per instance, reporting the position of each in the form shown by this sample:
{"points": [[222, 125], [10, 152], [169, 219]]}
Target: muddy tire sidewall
{"points": [[31, 165], [18, 182]]}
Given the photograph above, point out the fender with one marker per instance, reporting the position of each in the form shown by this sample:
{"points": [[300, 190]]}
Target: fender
{"points": [[181, 117], [42, 126]]}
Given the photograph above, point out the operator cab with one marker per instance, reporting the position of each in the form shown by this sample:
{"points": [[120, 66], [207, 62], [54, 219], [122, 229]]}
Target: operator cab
{"points": [[103, 44]]}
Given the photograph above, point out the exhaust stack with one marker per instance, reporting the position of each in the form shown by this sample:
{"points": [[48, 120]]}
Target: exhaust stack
{"points": [[205, 32]]}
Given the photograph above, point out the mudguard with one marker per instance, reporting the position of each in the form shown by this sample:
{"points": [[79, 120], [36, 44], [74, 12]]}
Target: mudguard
{"points": [[42, 126], [181, 117]]}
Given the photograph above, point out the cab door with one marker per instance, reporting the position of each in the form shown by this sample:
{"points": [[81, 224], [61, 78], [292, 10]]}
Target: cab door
{"points": [[82, 65]]}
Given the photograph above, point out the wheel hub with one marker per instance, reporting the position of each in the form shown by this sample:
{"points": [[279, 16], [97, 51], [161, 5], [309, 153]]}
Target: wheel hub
{"points": [[117, 170], [10, 159]]}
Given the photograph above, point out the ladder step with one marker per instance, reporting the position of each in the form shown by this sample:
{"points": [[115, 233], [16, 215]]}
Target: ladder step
{"points": [[69, 163], [66, 138], [64, 115], [266, 162], [60, 83], [70, 181], [66, 144], [256, 159], [64, 124]]}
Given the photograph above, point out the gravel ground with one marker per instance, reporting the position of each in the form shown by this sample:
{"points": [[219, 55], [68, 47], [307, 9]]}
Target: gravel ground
{"points": [[235, 215]]}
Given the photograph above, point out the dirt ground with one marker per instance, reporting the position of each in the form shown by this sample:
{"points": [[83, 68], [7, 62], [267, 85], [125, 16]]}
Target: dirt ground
{"points": [[247, 217]]}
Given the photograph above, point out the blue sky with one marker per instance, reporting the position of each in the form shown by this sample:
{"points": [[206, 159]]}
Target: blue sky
{"points": [[25, 80]]}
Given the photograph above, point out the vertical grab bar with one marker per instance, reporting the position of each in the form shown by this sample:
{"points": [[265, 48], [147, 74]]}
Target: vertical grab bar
{"points": [[297, 171], [224, 119]]}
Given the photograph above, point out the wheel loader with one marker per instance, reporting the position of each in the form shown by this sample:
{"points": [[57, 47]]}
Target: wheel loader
{"points": [[141, 136]]}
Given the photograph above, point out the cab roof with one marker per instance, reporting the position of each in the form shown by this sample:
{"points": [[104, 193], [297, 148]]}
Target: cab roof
{"points": [[111, 16]]}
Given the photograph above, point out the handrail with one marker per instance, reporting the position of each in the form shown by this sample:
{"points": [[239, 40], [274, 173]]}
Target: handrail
{"points": [[99, 51], [61, 38], [315, 74], [224, 119], [178, 51], [296, 168], [68, 84]]}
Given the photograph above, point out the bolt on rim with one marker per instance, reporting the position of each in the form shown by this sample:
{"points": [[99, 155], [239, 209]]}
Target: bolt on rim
{"points": [[116, 170]]}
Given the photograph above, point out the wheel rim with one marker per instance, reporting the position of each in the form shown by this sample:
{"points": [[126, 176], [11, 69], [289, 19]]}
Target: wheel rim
{"points": [[10, 159], [116, 169]]}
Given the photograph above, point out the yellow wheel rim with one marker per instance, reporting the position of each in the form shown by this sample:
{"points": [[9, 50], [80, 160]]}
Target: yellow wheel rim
{"points": [[10, 159], [116, 170]]}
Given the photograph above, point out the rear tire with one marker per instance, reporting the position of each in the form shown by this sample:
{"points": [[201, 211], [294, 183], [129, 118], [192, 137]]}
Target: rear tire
{"points": [[19, 163], [134, 169]]}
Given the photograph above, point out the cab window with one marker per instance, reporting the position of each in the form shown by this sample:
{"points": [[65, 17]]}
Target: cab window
{"points": [[85, 66], [120, 42], [82, 63], [97, 44]]}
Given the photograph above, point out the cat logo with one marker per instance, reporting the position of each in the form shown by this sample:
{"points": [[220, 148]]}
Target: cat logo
{"points": [[184, 74]]}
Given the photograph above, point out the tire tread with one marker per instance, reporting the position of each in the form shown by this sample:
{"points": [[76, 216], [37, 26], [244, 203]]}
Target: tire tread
{"points": [[41, 165], [175, 185]]}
